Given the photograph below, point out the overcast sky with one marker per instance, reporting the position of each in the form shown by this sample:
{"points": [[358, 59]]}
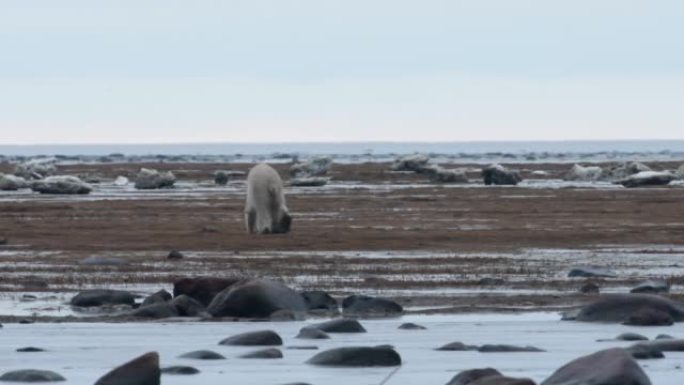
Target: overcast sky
{"points": [[204, 71]]}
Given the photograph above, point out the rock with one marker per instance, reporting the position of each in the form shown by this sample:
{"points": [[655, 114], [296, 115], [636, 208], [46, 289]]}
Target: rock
{"points": [[309, 181], [180, 370], [442, 175], [156, 311], [188, 306], [303, 347], [61, 184], [366, 306], [357, 357], [497, 174], [414, 162], [95, 260], [589, 288], [202, 289], [31, 375], [457, 347], [287, 315], [467, 376], [649, 317], [340, 325], [502, 380], [652, 287], [143, 370], [411, 326], [507, 349], [269, 353], [121, 181], [584, 174], [256, 338], [665, 345], [624, 170], [316, 166], [631, 337], [3, 241], [647, 178], [620, 307], [591, 271], [158, 297], [99, 297], [312, 333], [255, 298], [202, 355], [490, 281], [12, 182], [36, 168], [27, 321], [606, 367], [30, 349], [175, 254], [317, 299], [222, 177], [664, 337], [149, 179], [644, 352]]}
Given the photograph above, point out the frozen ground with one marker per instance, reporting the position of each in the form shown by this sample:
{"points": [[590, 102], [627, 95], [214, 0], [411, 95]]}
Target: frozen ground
{"points": [[83, 352]]}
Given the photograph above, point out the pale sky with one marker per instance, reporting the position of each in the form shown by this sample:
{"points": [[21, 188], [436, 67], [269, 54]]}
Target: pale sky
{"points": [[127, 71]]}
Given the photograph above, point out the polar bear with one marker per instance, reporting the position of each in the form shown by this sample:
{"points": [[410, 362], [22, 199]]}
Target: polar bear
{"points": [[265, 210]]}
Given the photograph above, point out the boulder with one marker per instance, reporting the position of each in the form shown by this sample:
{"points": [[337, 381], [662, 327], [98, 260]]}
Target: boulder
{"points": [[175, 254], [414, 162], [312, 333], [589, 288], [647, 178], [665, 345], [30, 349], [269, 353], [364, 305], [624, 170], [457, 346], [61, 184], [143, 370], [443, 175], [31, 375], [99, 297], [490, 281], [620, 307], [36, 168], [316, 166], [319, 300], [158, 297], [180, 370], [644, 352], [649, 317], [606, 367], [664, 337], [583, 174], [497, 174], [467, 376], [357, 357], [508, 349], [591, 271], [156, 311], [149, 179], [631, 337], [12, 182], [411, 326], [255, 298], [652, 287], [502, 380], [340, 325], [312, 181], [256, 338], [202, 289], [188, 306], [202, 355]]}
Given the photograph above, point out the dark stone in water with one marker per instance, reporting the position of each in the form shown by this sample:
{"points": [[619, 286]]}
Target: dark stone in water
{"points": [[644, 352], [270, 353], [507, 349], [180, 370], [591, 271], [652, 287], [175, 254], [622, 307], [257, 338], [457, 347], [606, 367], [317, 299], [158, 297], [202, 289], [366, 305], [468, 376], [31, 375], [187, 306], [489, 281], [589, 288], [156, 311], [143, 370], [340, 325], [357, 357], [99, 297], [202, 355], [255, 298], [649, 317], [312, 333], [411, 326], [30, 349]]}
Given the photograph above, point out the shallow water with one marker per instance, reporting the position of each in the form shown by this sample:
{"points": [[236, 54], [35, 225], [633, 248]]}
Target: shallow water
{"points": [[84, 352]]}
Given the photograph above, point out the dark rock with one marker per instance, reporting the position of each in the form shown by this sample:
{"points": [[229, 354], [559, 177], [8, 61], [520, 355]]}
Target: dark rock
{"points": [[411, 326], [143, 370], [156, 311], [649, 317], [180, 370], [3, 241], [255, 298], [312, 333], [26, 321], [664, 337], [489, 281], [606, 367], [175, 254], [309, 182], [589, 288], [257, 338], [269, 353], [317, 299], [414, 162], [101, 297], [95, 260], [303, 347], [188, 307], [357, 357], [665, 345], [457, 347], [287, 315], [502, 380], [652, 287], [31, 375], [507, 349], [497, 174], [159, 297], [644, 352], [467, 376], [340, 325], [202, 289], [591, 271], [202, 355], [30, 349], [620, 307], [221, 178], [631, 337], [375, 306]]}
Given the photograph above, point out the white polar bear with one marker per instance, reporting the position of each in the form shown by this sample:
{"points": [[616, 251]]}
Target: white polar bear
{"points": [[265, 210]]}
